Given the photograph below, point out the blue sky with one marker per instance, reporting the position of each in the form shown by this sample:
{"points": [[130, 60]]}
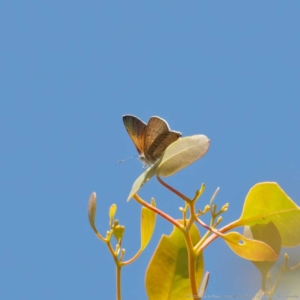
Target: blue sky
{"points": [[71, 69]]}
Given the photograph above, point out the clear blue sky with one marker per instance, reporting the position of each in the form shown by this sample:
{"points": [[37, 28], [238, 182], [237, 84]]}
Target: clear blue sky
{"points": [[71, 69]]}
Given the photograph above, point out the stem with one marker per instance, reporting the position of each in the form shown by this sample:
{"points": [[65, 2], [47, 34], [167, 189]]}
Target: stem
{"points": [[275, 286], [129, 261], [100, 237], [203, 239], [192, 265], [295, 267], [173, 190], [158, 211], [112, 252], [193, 216], [264, 284], [212, 237], [118, 269], [118, 281]]}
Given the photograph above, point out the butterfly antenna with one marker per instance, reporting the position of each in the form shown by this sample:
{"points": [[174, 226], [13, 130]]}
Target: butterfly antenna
{"points": [[120, 161]]}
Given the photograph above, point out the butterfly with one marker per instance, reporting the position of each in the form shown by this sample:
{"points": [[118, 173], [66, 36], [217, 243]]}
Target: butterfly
{"points": [[151, 139]]}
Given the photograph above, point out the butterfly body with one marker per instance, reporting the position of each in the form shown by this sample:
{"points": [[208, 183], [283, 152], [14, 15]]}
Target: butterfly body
{"points": [[151, 139]]}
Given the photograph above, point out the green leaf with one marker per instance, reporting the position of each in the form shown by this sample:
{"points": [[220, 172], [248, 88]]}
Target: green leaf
{"points": [[92, 206], [268, 234], [167, 275], [142, 179], [248, 248], [182, 153], [267, 202], [148, 218]]}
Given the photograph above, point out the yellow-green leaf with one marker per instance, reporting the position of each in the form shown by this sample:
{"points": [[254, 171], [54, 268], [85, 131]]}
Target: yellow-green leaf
{"points": [[118, 232], [267, 202], [148, 218], [112, 211], [248, 248], [92, 206], [141, 180], [167, 276], [182, 153], [178, 155]]}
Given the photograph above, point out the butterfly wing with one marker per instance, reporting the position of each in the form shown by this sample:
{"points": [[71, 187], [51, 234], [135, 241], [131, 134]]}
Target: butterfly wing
{"points": [[136, 130], [155, 127], [161, 143], [157, 138]]}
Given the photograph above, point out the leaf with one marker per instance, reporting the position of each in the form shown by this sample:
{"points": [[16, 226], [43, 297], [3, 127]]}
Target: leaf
{"points": [[258, 295], [182, 153], [118, 232], [167, 275], [178, 155], [248, 248], [268, 234], [92, 206], [204, 284], [112, 211], [267, 202], [148, 218], [142, 179]]}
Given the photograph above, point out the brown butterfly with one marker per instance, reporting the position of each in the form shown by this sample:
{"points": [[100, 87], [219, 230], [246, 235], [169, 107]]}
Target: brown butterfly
{"points": [[151, 139]]}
